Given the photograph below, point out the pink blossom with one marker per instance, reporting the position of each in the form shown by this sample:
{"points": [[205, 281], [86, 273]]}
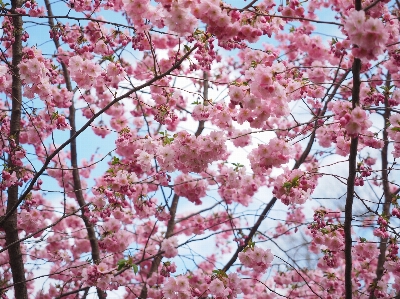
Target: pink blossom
{"points": [[169, 247]]}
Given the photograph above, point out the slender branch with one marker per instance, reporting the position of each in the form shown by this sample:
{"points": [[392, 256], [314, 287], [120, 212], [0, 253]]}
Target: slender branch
{"points": [[251, 234], [42, 229], [249, 5], [372, 5], [286, 17], [94, 244], [205, 103], [170, 230], [386, 188], [86, 125], [73, 292], [273, 200], [174, 205], [266, 210]]}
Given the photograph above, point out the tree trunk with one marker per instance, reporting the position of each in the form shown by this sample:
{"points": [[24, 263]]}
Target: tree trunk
{"points": [[10, 225]]}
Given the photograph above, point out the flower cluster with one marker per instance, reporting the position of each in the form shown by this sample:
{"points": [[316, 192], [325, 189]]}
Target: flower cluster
{"points": [[236, 185], [97, 275], [294, 186], [84, 72], [273, 154], [356, 122], [176, 288], [167, 269], [381, 231], [188, 153], [327, 235], [394, 133], [190, 187], [367, 33], [169, 247], [256, 258], [115, 241]]}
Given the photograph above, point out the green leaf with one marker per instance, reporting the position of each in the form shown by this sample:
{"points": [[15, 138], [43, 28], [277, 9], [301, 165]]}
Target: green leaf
{"points": [[220, 273], [237, 166], [109, 58], [254, 64], [396, 129], [135, 268], [2, 4], [54, 115], [166, 139], [287, 185], [115, 161], [198, 32], [121, 264]]}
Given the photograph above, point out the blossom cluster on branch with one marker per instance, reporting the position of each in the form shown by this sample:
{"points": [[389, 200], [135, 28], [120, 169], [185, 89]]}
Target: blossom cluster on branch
{"points": [[191, 149]]}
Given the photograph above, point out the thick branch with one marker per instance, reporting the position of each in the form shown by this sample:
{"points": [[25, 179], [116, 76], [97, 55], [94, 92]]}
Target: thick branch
{"points": [[351, 177], [10, 223]]}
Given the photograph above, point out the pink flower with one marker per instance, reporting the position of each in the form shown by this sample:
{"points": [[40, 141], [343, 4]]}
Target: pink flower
{"points": [[256, 258], [190, 187], [274, 154], [3, 70], [144, 159], [369, 34], [176, 288], [169, 247], [294, 187], [217, 288]]}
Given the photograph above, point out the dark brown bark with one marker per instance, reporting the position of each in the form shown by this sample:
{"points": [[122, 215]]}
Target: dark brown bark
{"points": [[386, 188], [94, 244], [350, 179], [10, 224]]}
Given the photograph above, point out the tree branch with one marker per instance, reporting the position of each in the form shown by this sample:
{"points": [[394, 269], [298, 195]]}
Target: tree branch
{"points": [[273, 200], [386, 188], [170, 230], [10, 223], [350, 180], [205, 103], [85, 126], [94, 244]]}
